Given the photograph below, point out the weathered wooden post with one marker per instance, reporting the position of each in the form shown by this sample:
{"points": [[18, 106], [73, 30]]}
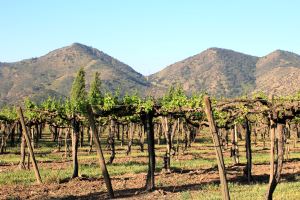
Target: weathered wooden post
{"points": [[2, 142], [99, 152], [91, 139], [248, 153], [142, 137], [236, 144], [22, 151], [66, 141], [118, 132], [75, 136], [295, 134], [150, 137], [37, 134], [168, 140], [122, 134], [112, 141], [59, 139], [215, 136], [272, 136], [12, 136], [35, 167], [131, 130], [232, 152], [275, 180], [287, 141]]}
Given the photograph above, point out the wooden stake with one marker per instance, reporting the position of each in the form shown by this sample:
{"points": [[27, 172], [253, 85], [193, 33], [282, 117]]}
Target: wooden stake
{"points": [[236, 145], [150, 137], [99, 152], [248, 153], [36, 170], [214, 132], [272, 136], [276, 179]]}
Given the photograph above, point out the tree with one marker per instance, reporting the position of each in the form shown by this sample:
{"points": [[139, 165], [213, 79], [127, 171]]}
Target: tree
{"points": [[95, 94], [78, 98], [78, 92], [170, 92], [178, 90]]}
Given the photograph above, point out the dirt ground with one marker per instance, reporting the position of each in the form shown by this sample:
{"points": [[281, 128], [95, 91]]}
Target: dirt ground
{"points": [[132, 186]]}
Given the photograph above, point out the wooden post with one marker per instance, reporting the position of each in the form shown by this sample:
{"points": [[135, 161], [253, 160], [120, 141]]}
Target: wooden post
{"points": [[150, 137], [66, 141], [32, 137], [255, 134], [81, 130], [168, 139], [295, 134], [275, 181], [248, 146], [12, 136], [99, 152], [22, 153], [112, 141], [118, 132], [226, 139], [2, 142], [91, 140], [177, 148], [232, 154], [122, 134], [75, 135], [236, 145], [159, 130], [59, 139], [214, 132], [131, 134], [36, 170], [272, 136], [287, 133], [142, 138]]}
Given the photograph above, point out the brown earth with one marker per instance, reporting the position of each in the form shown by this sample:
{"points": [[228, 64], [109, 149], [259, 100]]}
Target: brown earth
{"points": [[131, 186]]}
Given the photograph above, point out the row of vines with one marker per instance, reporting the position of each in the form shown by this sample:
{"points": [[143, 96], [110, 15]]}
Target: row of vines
{"points": [[271, 116]]}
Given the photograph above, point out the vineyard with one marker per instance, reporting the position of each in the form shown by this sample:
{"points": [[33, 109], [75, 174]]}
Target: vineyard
{"points": [[144, 145]]}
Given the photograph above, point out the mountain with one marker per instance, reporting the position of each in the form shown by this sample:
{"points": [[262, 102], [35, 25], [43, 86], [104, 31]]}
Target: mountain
{"points": [[278, 72], [218, 71], [54, 74], [221, 72]]}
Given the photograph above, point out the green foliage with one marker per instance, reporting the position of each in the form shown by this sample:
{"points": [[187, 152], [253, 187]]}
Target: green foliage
{"points": [[78, 92], [95, 97], [9, 114], [170, 92], [30, 105]]}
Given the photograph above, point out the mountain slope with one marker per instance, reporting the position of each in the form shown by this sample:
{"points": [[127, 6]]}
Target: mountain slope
{"points": [[278, 72], [218, 71], [54, 73]]}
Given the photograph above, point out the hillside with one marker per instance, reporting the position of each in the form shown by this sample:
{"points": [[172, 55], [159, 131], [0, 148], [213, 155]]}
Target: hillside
{"points": [[223, 72], [278, 72], [220, 72], [54, 73]]}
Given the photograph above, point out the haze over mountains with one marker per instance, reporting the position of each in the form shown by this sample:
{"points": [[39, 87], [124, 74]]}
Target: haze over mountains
{"points": [[218, 71]]}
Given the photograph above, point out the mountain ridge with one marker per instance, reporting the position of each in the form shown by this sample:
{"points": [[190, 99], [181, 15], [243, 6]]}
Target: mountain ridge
{"points": [[221, 72]]}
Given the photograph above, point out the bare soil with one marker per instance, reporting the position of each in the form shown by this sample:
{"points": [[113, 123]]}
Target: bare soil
{"points": [[131, 186]]}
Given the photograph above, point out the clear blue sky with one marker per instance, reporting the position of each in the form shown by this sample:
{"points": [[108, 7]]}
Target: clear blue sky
{"points": [[148, 35]]}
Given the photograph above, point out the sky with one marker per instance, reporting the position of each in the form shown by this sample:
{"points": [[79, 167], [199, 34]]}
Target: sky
{"points": [[148, 35]]}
